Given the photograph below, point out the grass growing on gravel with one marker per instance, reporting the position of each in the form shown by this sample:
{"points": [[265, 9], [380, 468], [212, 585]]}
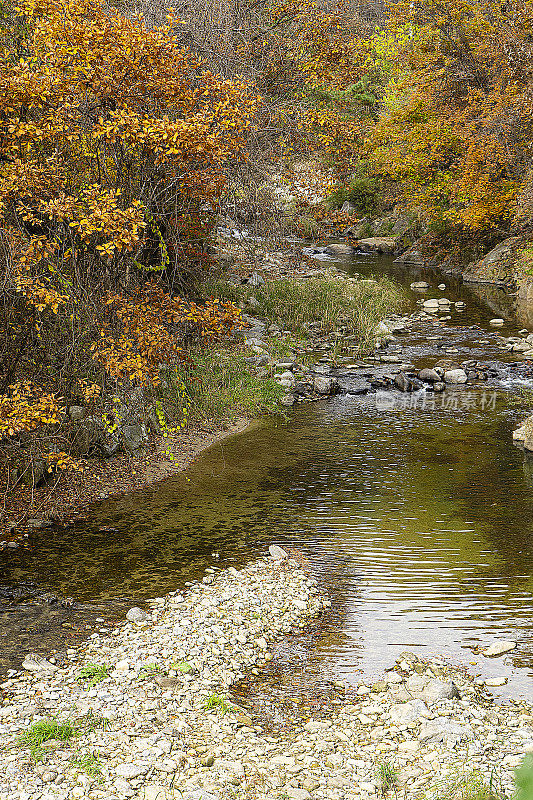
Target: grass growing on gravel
{"points": [[90, 722], [89, 763], [149, 670], [387, 776], [44, 731], [465, 786], [93, 674], [293, 303], [219, 702], [220, 386]]}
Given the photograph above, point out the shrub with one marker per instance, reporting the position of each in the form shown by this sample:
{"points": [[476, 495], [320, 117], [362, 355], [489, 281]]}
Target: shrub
{"points": [[114, 153], [361, 193]]}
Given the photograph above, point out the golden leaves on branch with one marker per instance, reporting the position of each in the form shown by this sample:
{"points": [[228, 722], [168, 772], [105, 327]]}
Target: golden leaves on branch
{"points": [[24, 408], [456, 129], [151, 330]]}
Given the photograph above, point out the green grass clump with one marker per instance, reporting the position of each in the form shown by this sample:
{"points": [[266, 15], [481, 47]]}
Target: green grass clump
{"points": [[219, 702], [149, 670], [220, 386], [93, 674], [91, 722], [44, 731], [387, 776], [465, 786], [293, 304], [181, 666], [89, 763]]}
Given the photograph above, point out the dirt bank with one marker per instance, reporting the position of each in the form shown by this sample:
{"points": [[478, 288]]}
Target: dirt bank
{"points": [[67, 498]]}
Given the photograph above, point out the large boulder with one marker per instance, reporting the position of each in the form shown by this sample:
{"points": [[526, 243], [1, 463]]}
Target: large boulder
{"points": [[385, 245], [91, 436], [497, 266], [339, 250]]}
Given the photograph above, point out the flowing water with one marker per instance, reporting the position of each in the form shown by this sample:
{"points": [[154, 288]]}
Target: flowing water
{"points": [[418, 517]]}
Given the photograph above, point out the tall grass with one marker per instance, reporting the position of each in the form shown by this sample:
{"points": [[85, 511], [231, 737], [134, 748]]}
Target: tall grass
{"points": [[294, 303], [221, 386], [469, 785]]}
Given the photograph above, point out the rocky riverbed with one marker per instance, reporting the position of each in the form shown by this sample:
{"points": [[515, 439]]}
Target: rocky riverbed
{"points": [[152, 714]]}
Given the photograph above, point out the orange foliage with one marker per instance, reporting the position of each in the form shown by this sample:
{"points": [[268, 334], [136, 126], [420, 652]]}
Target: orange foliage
{"points": [[24, 408], [456, 126], [153, 328], [115, 145]]}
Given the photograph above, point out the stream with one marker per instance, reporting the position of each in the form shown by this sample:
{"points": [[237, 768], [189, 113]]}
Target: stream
{"points": [[416, 514]]}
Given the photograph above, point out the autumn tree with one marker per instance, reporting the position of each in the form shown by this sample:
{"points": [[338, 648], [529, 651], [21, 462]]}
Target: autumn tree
{"points": [[115, 147], [455, 127]]}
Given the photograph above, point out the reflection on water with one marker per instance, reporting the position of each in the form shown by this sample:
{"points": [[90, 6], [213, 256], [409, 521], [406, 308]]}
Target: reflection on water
{"points": [[419, 522]]}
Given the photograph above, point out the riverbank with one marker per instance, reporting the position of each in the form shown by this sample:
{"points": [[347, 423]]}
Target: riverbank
{"points": [[145, 710], [68, 498], [302, 316]]}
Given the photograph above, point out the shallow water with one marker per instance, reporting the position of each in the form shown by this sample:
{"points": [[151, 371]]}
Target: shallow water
{"points": [[418, 519]]}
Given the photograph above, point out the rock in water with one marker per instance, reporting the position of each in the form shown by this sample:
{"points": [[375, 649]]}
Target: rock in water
{"points": [[403, 383], [324, 385], [35, 663], [429, 376], [277, 553], [339, 250], [497, 322], [499, 648], [287, 400], [455, 376], [496, 681], [136, 614]]}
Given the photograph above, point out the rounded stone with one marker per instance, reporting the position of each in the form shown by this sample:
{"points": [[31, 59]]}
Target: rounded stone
{"points": [[455, 376], [136, 614]]}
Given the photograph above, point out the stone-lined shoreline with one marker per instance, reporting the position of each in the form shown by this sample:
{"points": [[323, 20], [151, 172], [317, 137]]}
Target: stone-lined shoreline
{"points": [[172, 730]]}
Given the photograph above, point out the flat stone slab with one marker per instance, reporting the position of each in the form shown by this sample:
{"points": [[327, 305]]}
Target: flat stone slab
{"points": [[499, 648]]}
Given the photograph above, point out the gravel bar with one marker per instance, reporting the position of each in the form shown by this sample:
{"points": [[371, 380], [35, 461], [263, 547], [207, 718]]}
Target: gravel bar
{"points": [[152, 716]]}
